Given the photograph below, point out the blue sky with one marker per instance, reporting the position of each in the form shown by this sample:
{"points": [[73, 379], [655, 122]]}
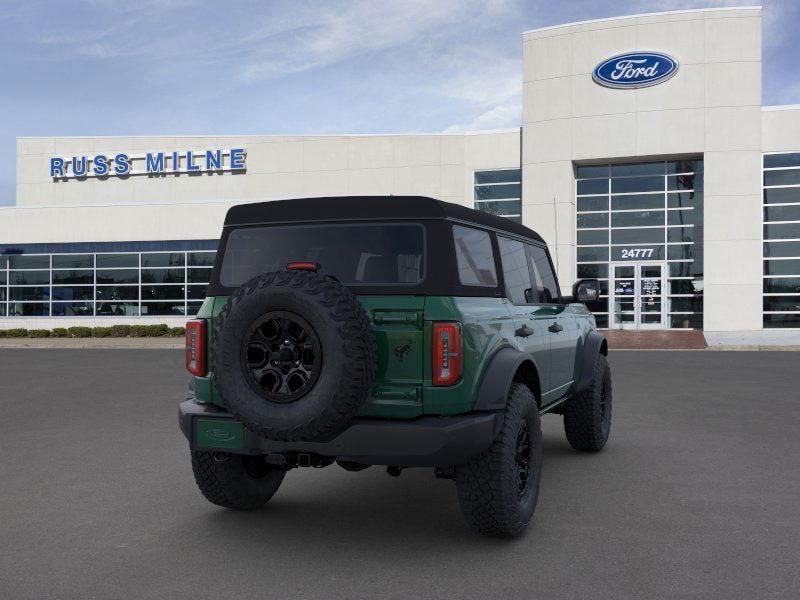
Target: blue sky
{"points": [[151, 67]]}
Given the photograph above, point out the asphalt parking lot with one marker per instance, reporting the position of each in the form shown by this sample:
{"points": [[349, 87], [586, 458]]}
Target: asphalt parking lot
{"points": [[696, 496]]}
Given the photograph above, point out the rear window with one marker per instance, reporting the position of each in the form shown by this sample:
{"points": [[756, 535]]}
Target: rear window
{"points": [[474, 257], [369, 254]]}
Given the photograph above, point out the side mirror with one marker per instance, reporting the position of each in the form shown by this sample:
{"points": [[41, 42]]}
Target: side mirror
{"points": [[586, 290]]}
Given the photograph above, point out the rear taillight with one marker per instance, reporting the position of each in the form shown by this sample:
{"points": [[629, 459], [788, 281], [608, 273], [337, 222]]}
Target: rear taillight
{"points": [[196, 347], [447, 353]]}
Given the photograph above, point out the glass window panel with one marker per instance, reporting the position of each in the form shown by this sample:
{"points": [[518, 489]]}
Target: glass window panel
{"points": [[586, 171], [686, 321], [118, 276], [515, 219], [515, 270], [201, 259], [782, 285], [782, 249], [72, 292], [117, 260], [788, 177], [638, 251], [680, 234], [501, 209], [685, 286], [162, 292], [782, 267], [79, 277], [199, 275], [637, 236], [593, 236], [493, 192], [72, 309], [782, 213], [2, 277], [545, 279], [637, 219], [788, 320], [73, 261], [474, 256], [782, 195], [790, 159], [117, 309], [501, 176], [163, 308], [684, 199], [592, 254], [29, 293], [682, 182], [694, 304], [23, 261], [28, 309], [585, 271], [684, 166], [600, 305], [783, 231], [163, 259], [601, 321], [592, 186], [193, 307], [29, 277], [3, 262], [118, 292], [163, 276], [597, 203], [637, 184], [637, 202], [679, 252], [3, 309], [2, 294], [682, 269], [648, 168], [196, 292], [593, 220], [782, 303], [683, 217]]}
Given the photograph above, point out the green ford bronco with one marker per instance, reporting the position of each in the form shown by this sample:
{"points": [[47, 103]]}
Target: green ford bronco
{"points": [[395, 331]]}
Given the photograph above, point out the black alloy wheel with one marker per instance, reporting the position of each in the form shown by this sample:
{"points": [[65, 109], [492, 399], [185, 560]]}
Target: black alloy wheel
{"points": [[281, 356]]}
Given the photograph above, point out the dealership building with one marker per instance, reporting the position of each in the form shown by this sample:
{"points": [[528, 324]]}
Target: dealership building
{"points": [[644, 158]]}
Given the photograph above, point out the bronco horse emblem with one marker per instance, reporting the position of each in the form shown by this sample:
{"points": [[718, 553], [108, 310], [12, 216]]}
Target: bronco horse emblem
{"points": [[401, 350]]}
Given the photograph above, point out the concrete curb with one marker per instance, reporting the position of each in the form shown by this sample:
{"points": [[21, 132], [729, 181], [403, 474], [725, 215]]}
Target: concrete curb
{"points": [[156, 343]]}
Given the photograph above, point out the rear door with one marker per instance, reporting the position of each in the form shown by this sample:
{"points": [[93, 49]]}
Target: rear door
{"points": [[560, 323], [531, 336]]}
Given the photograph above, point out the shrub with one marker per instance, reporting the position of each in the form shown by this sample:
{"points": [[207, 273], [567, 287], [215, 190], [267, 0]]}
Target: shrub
{"points": [[101, 332], [16, 332], [177, 331], [80, 332], [138, 331], [120, 330], [38, 333], [156, 330], [59, 332]]}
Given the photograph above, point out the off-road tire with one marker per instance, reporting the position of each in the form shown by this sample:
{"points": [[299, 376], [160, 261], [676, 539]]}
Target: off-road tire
{"points": [[587, 416], [348, 355], [234, 480], [487, 487]]}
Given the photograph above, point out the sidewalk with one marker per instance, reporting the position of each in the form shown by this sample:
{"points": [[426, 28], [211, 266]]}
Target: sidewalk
{"points": [[100, 343]]}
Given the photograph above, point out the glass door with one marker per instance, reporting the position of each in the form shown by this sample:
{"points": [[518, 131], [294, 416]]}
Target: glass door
{"points": [[637, 300]]}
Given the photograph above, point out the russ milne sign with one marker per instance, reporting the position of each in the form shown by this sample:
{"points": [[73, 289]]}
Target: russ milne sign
{"points": [[152, 163], [635, 70]]}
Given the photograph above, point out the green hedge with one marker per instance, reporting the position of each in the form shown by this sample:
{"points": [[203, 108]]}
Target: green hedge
{"points": [[116, 331]]}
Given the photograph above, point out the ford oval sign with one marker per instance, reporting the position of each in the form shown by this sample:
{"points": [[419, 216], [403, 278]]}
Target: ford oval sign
{"points": [[635, 70]]}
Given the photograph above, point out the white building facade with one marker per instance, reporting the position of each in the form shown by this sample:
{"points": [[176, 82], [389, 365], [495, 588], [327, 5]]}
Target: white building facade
{"points": [[672, 184]]}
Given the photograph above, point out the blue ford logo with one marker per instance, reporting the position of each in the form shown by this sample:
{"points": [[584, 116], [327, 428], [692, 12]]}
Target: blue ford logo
{"points": [[635, 70]]}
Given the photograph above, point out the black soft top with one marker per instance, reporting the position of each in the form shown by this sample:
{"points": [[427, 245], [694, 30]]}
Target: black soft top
{"points": [[367, 208]]}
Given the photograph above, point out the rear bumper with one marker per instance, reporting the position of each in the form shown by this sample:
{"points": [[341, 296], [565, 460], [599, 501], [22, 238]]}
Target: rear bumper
{"points": [[422, 442]]}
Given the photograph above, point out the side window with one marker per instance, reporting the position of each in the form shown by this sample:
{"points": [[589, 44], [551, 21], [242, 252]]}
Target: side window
{"points": [[474, 256], [515, 270], [546, 285]]}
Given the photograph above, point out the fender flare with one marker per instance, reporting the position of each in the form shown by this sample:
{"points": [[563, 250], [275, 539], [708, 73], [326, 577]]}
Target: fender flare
{"points": [[499, 376], [594, 345]]}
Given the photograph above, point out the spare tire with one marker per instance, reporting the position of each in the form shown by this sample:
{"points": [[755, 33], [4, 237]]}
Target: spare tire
{"points": [[293, 355]]}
